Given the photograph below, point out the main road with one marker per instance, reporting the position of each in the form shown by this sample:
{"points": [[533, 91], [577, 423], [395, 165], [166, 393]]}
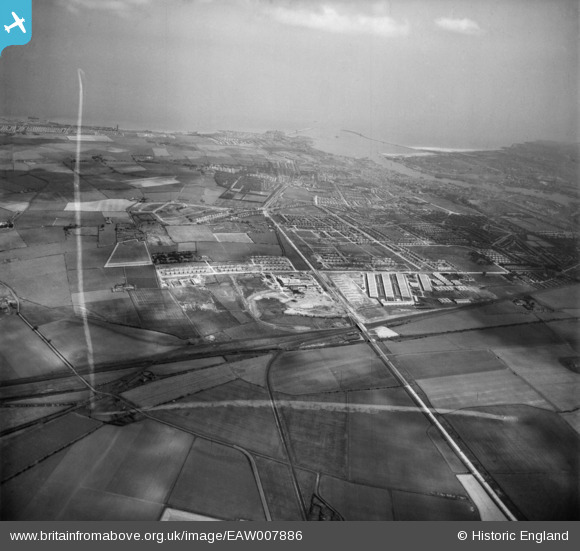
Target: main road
{"points": [[328, 286]]}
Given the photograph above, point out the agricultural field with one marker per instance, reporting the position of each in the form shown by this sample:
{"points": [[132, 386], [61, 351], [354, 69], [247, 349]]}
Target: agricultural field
{"points": [[382, 441], [158, 310], [568, 331], [42, 280], [129, 253], [111, 344], [21, 362], [128, 474], [329, 370], [534, 458], [562, 298], [11, 240], [235, 412], [440, 364], [317, 431], [217, 480], [545, 369], [24, 449], [454, 392], [142, 277], [12, 418], [178, 386], [356, 501], [477, 317]]}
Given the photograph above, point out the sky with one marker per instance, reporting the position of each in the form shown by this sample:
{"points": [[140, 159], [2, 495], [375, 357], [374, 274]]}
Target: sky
{"points": [[441, 73]]}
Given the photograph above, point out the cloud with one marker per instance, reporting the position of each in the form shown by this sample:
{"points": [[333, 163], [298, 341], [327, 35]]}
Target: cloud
{"points": [[120, 7], [462, 26], [333, 19]]}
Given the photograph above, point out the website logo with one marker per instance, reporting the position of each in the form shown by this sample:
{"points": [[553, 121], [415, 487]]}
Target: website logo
{"points": [[16, 23]]}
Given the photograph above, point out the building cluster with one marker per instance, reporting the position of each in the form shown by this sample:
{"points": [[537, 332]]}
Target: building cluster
{"points": [[186, 274]]}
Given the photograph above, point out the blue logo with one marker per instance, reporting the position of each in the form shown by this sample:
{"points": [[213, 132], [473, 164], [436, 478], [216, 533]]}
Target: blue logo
{"points": [[15, 23]]}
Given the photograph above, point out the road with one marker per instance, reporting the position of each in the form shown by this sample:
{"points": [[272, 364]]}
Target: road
{"points": [[282, 434], [368, 236], [327, 285], [131, 407]]}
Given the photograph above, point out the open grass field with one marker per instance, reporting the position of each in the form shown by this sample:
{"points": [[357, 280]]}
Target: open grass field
{"points": [[34, 252], [111, 343], [233, 238], [568, 331], [356, 501], [254, 330], [92, 257], [24, 448], [573, 419], [101, 295], [552, 496], [413, 506], [141, 461], [102, 205], [41, 280], [23, 354], [159, 311], [43, 236], [473, 318], [252, 370], [179, 386], [129, 253], [329, 369], [561, 298], [11, 240], [422, 345], [207, 314], [246, 418], [121, 473], [96, 279], [539, 441], [452, 362], [36, 219], [90, 504], [118, 310], [198, 232], [143, 277], [391, 449], [235, 252], [540, 366], [217, 481], [317, 436], [480, 389], [280, 495], [39, 315], [266, 238], [13, 417], [209, 322], [152, 182], [505, 336]]}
